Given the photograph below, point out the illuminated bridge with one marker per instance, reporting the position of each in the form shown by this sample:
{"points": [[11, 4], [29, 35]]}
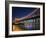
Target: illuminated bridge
{"points": [[35, 13], [30, 21]]}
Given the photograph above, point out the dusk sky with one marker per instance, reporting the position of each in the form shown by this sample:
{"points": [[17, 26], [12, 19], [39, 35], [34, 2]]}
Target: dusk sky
{"points": [[21, 11]]}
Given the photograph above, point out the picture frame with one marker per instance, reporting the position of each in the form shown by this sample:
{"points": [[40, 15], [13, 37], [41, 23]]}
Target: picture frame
{"points": [[9, 4]]}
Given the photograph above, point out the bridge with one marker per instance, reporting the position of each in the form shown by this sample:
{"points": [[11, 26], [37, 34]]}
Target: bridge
{"points": [[17, 21], [35, 13]]}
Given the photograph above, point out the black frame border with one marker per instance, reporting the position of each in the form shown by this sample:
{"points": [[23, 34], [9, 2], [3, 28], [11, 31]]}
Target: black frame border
{"points": [[7, 16]]}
